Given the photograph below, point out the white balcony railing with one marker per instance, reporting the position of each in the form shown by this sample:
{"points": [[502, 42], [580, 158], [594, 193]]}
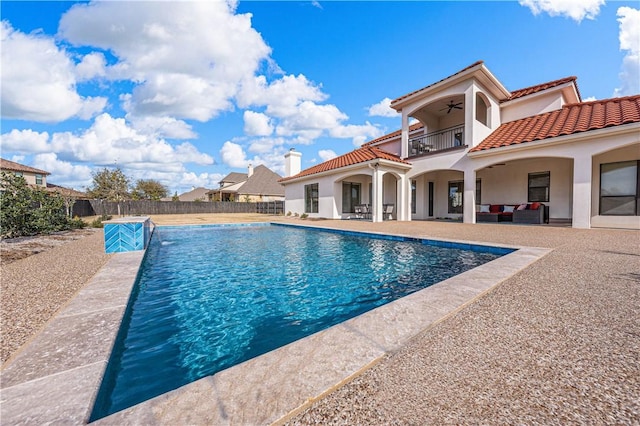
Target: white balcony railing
{"points": [[437, 141]]}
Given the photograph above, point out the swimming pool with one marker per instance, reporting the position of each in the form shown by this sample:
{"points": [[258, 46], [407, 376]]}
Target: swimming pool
{"points": [[211, 297]]}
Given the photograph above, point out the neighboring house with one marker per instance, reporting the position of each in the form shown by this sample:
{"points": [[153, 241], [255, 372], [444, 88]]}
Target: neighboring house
{"points": [[259, 184], [33, 176], [196, 194], [471, 141]]}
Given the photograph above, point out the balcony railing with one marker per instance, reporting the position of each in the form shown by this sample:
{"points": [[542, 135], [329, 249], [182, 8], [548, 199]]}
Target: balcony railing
{"points": [[437, 141]]}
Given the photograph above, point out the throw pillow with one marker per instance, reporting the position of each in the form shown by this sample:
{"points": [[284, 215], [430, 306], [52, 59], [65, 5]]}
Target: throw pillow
{"points": [[535, 206], [495, 208], [484, 208], [508, 209], [522, 207]]}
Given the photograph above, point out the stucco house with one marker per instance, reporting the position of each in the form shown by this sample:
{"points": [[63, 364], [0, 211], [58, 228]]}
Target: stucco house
{"points": [[257, 185], [33, 176], [466, 141]]}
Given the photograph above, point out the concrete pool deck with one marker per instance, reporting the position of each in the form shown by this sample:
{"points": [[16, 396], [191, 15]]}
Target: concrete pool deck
{"points": [[54, 378]]}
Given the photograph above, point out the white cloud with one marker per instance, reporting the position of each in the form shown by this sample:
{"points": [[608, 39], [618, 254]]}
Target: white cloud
{"points": [[358, 133], [64, 173], [187, 58], [265, 145], [327, 154], [257, 124], [38, 80], [108, 142], [91, 65], [281, 96], [167, 127], [629, 20], [187, 180], [25, 141], [574, 9], [233, 155], [383, 109]]}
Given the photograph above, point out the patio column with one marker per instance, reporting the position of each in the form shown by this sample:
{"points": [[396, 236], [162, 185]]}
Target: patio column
{"points": [[404, 143], [376, 189], [582, 176], [403, 209], [469, 197]]}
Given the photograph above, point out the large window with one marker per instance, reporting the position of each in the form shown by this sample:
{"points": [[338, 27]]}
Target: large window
{"points": [[311, 198], [350, 196], [539, 187], [620, 189], [456, 190]]}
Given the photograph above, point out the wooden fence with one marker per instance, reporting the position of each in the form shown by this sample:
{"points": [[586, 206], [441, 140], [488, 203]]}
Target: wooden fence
{"points": [[84, 208]]}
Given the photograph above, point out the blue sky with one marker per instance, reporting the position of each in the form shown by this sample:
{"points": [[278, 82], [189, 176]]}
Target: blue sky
{"points": [[187, 92]]}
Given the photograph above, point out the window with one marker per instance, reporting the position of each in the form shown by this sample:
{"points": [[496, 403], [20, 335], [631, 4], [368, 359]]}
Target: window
{"points": [[350, 196], [620, 189], [18, 174], [413, 197], [539, 187], [38, 179], [311, 198], [456, 190], [478, 191]]}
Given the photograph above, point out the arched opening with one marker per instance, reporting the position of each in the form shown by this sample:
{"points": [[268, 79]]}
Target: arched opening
{"points": [[482, 109]]}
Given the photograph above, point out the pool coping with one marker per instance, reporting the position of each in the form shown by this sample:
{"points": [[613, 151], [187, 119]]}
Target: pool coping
{"points": [[53, 382]]}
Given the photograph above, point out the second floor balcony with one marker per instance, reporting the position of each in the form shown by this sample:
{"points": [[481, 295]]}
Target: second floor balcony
{"points": [[442, 140]]}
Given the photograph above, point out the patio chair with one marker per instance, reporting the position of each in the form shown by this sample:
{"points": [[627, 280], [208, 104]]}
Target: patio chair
{"points": [[387, 211], [358, 210]]}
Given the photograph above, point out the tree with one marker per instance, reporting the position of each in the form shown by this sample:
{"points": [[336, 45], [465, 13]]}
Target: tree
{"points": [[149, 189], [110, 185], [29, 211]]}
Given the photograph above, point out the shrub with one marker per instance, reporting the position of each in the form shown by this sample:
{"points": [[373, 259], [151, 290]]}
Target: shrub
{"points": [[29, 211], [304, 216]]}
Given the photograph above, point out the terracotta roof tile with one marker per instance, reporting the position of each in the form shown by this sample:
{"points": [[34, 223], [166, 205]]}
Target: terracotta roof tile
{"points": [[360, 155], [540, 87], [17, 167], [572, 118]]}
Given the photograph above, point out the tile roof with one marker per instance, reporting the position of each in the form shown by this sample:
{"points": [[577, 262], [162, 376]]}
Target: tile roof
{"points": [[16, 167], [393, 135], [572, 118], [65, 192], [540, 87], [263, 181], [234, 177], [360, 155], [198, 193], [433, 84]]}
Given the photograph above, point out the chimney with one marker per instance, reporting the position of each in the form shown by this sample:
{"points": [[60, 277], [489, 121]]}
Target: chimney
{"points": [[250, 171], [292, 162]]}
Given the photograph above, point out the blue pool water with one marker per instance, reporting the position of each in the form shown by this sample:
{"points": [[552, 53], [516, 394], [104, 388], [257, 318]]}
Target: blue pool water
{"points": [[208, 298]]}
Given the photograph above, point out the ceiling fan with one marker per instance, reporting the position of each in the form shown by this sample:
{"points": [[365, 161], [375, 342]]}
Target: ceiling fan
{"points": [[452, 106]]}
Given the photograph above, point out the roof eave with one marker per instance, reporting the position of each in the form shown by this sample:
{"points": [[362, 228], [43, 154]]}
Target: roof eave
{"points": [[480, 71], [536, 144], [362, 165]]}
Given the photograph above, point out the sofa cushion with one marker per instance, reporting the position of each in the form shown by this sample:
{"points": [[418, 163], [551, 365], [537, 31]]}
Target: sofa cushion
{"points": [[484, 208], [495, 208]]}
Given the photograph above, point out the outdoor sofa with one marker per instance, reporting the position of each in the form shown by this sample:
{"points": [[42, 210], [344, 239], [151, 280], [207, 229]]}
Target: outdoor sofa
{"points": [[535, 213]]}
